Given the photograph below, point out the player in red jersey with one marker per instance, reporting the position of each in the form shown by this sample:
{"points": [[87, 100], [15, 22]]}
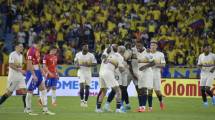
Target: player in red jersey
{"points": [[49, 65], [34, 78]]}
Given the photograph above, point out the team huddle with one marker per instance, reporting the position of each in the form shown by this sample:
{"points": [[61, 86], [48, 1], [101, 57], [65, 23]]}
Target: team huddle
{"points": [[120, 66]]}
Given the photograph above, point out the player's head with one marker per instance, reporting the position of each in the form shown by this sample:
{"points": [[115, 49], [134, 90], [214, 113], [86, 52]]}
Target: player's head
{"points": [[128, 45], [115, 47], [53, 50], [121, 50], [19, 47], [139, 46], [153, 45], [206, 48], [37, 43], [85, 48]]}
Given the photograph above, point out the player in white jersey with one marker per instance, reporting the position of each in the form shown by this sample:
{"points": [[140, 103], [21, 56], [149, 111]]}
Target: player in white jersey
{"points": [[16, 80], [159, 63], [107, 80], [145, 81], [84, 60], [134, 72], [120, 77], [206, 62]]}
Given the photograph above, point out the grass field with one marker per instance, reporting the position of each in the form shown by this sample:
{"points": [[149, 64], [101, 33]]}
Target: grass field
{"points": [[69, 109]]}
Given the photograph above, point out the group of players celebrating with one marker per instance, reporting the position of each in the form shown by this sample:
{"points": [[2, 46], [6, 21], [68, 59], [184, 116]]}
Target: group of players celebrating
{"points": [[120, 66]]}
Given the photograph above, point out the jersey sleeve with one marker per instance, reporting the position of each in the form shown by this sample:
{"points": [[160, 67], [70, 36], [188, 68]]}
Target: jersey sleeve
{"points": [[45, 59], [76, 58], [30, 54], [11, 58], [163, 59], [93, 59]]}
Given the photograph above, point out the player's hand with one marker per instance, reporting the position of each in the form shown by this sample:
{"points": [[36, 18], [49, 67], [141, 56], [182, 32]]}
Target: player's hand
{"points": [[212, 70]]}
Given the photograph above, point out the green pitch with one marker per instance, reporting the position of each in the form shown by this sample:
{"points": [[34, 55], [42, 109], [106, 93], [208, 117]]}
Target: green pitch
{"points": [[69, 109]]}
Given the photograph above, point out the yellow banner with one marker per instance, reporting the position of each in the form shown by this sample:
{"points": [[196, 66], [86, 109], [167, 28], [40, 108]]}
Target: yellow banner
{"points": [[3, 84], [182, 88]]}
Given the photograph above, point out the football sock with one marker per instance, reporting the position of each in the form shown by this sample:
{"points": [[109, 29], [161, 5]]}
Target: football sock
{"points": [[203, 92], [28, 100], [43, 98], [3, 98], [82, 93], [150, 100], [87, 92], [54, 96], [23, 100], [111, 96]]}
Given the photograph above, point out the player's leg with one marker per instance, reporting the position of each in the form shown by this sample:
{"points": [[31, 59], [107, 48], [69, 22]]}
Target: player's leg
{"points": [[30, 87], [139, 96], [43, 92], [100, 99], [143, 99], [87, 89], [12, 85], [54, 87], [118, 98], [209, 83], [150, 98], [82, 94], [203, 90], [157, 87], [110, 98]]}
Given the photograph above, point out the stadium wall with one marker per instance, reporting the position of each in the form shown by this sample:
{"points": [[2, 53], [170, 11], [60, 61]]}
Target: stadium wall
{"points": [[69, 86]]}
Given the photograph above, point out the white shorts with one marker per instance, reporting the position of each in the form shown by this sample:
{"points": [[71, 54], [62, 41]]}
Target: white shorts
{"points": [[16, 85], [145, 79], [207, 79], [107, 80], [85, 78], [157, 80], [130, 79]]}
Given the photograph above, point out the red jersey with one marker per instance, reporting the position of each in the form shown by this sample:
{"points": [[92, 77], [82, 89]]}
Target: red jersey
{"points": [[34, 55], [51, 63]]}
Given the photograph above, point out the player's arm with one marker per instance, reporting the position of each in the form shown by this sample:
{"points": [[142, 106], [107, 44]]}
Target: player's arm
{"points": [[76, 62], [45, 67], [14, 66], [94, 61], [162, 62], [30, 66], [147, 66]]}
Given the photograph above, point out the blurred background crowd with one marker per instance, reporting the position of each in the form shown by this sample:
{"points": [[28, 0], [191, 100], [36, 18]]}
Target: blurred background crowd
{"points": [[181, 27]]}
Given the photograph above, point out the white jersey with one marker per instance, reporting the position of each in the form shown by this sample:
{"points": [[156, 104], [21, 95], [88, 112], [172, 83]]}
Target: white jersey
{"points": [[158, 59], [208, 60], [144, 58], [81, 59], [16, 59], [122, 62], [107, 64]]}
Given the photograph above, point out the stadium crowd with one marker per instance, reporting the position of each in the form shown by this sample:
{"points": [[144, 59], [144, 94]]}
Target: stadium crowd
{"points": [[180, 26]]}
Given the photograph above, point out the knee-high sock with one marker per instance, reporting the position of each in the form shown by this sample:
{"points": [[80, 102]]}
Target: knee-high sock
{"points": [[203, 92], [81, 91], [43, 98], [54, 96], [28, 100], [3, 98], [87, 92], [126, 95], [23, 100], [111, 96]]}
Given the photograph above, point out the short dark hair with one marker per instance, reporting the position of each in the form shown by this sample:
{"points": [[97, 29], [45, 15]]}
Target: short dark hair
{"points": [[17, 44]]}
